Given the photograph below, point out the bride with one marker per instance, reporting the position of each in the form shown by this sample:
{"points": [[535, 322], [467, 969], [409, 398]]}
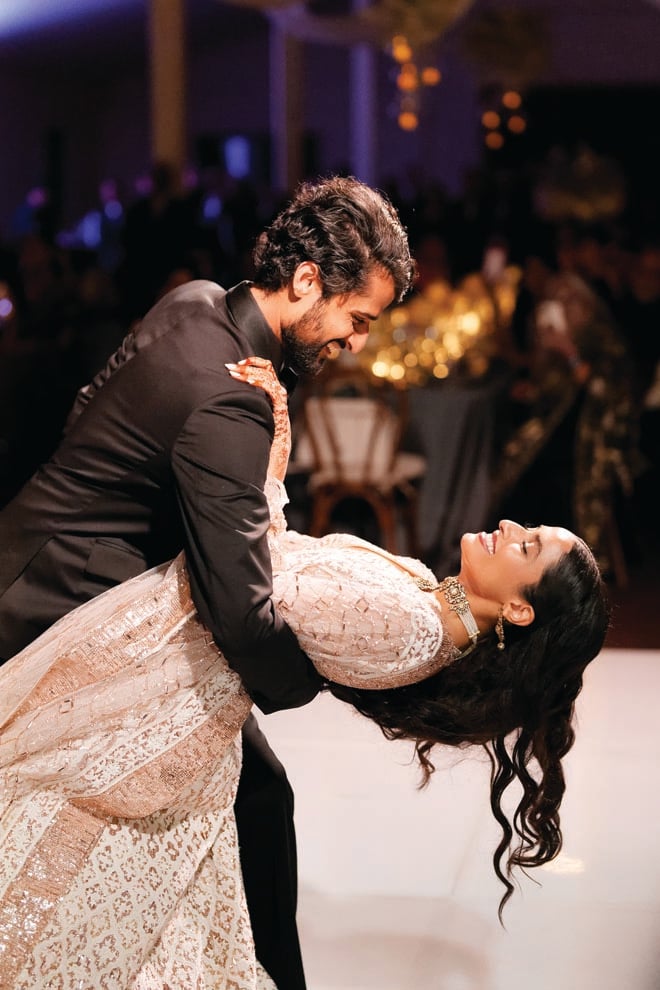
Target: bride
{"points": [[120, 733]]}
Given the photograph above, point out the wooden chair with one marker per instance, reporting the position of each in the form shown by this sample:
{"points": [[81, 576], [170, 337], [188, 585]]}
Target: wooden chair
{"points": [[351, 431]]}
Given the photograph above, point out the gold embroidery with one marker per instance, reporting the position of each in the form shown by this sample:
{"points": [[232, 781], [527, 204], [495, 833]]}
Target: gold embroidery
{"points": [[130, 634], [34, 891], [159, 784]]}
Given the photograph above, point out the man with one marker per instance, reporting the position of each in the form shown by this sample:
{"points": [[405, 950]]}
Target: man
{"points": [[164, 450]]}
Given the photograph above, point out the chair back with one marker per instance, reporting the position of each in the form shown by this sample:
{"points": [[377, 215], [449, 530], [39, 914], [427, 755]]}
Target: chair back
{"points": [[353, 428]]}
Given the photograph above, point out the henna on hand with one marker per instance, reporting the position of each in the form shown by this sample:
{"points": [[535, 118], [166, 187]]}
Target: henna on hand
{"points": [[259, 372]]}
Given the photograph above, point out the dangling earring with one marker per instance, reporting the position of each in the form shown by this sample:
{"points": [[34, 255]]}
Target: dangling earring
{"points": [[499, 629]]}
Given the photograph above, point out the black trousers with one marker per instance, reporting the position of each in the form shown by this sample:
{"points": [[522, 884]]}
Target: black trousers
{"points": [[267, 842]]}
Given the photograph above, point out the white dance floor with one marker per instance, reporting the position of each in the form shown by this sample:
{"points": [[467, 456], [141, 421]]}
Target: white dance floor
{"points": [[397, 889]]}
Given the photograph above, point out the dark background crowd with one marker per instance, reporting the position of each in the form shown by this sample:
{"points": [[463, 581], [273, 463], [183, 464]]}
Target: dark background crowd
{"points": [[68, 297]]}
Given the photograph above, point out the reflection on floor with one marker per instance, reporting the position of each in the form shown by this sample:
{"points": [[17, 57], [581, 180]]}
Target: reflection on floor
{"points": [[397, 889]]}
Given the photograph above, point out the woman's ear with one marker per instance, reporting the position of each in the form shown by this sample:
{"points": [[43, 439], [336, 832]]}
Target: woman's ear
{"points": [[518, 612]]}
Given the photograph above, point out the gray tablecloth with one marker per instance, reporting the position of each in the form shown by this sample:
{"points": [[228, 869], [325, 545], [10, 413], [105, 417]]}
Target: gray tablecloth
{"points": [[454, 425]]}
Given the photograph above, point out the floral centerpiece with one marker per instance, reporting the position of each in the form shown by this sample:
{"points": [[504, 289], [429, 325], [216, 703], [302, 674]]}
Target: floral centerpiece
{"points": [[442, 331]]}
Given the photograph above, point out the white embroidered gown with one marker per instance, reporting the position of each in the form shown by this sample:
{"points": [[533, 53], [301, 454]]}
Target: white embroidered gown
{"points": [[120, 757]]}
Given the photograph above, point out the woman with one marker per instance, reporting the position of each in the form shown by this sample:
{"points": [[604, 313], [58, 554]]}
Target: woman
{"points": [[119, 752], [575, 449]]}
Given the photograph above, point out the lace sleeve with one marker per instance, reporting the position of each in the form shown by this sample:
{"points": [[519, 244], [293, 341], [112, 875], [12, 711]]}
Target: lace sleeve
{"points": [[277, 499], [361, 620], [282, 541]]}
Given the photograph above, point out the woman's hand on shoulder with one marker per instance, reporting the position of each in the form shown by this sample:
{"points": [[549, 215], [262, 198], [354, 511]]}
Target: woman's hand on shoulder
{"points": [[259, 372]]}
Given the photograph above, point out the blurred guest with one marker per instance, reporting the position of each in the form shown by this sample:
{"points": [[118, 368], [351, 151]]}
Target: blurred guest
{"points": [[242, 214], [597, 253], [431, 255], [639, 315], [157, 238], [34, 215], [98, 326], [37, 334], [101, 228], [112, 217], [8, 397], [538, 264], [517, 335], [470, 219], [575, 449]]}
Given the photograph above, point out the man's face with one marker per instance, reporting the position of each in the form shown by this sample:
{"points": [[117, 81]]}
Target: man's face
{"points": [[330, 325]]}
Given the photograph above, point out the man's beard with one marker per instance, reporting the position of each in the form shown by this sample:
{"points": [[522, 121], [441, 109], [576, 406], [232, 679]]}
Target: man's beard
{"points": [[302, 357]]}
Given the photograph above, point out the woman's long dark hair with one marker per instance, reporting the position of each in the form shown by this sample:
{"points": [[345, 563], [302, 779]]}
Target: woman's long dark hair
{"points": [[516, 703]]}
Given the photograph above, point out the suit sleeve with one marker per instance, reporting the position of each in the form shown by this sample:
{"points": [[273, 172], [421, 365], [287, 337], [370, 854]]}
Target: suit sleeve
{"points": [[219, 462]]}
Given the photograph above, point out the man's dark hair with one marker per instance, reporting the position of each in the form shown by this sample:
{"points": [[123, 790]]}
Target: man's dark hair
{"points": [[347, 228]]}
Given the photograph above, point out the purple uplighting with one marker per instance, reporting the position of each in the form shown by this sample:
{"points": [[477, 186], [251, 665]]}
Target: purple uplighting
{"points": [[20, 16]]}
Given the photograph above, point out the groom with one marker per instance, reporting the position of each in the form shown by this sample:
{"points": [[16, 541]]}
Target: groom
{"points": [[164, 451]]}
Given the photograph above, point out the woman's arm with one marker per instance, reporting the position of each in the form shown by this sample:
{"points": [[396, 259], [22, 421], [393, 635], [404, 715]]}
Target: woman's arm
{"points": [[259, 371]]}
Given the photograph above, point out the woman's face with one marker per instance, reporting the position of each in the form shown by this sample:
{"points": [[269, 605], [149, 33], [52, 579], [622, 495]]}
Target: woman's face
{"points": [[496, 566]]}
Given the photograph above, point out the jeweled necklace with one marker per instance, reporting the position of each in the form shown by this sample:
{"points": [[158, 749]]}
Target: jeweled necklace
{"points": [[454, 594]]}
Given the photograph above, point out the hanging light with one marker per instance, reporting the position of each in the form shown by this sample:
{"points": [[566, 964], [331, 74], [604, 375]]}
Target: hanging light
{"points": [[494, 140], [516, 124], [401, 50], [511, 99], [408, 120], [431, 76]]}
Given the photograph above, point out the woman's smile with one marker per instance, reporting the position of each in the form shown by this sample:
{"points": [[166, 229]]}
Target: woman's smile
{"points": [[489, 541], [495, 565]]}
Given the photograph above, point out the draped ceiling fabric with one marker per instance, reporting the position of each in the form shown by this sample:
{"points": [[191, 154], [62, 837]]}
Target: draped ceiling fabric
{"points": [[376, 24], [370, 25]]}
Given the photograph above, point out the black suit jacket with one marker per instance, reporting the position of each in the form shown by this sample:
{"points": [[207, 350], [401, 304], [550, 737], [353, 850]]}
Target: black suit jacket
{"points": [[163, 451]]}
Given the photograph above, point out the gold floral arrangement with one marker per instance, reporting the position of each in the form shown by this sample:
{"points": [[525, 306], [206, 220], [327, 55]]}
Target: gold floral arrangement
{"points": [[441, 332], [509, 48], [584, 187], [507, 45], [420, 21]]}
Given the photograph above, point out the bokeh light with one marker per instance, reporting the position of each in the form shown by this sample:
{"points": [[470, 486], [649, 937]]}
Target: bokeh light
{"points": [[494, 140], [511, 100], [431, 76], [491, 119], [442, 331], [516, 124], [408, 121]]}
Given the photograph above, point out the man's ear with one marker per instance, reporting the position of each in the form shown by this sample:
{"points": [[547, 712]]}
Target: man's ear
{"points": [[306, 279], [518, 612]]}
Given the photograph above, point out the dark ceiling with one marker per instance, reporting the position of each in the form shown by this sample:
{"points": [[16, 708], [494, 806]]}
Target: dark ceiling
{"points": [[90, 33]]}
